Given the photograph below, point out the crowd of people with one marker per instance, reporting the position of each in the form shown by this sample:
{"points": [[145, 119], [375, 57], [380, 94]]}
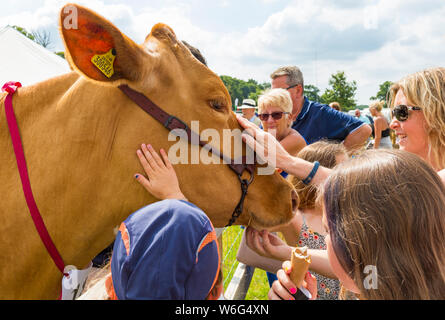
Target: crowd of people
{"points": [[373, 210], [381, 209]]}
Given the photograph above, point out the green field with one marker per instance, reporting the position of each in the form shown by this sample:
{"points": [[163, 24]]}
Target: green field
{"points": [[259, 287]]}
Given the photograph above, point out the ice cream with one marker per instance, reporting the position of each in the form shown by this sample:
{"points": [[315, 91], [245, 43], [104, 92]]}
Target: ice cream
{"points": [[300, 265]]}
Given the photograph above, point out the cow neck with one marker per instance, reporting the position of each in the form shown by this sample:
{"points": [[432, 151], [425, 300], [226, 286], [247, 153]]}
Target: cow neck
{"points": [[172, 123], [11, 88]]}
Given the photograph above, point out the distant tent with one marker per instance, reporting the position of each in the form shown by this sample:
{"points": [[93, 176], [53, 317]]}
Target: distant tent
{"points": [[25, 61]]}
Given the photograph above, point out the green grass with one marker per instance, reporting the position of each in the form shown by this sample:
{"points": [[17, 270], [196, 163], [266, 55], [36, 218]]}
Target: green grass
{"points": [[259, 287]]}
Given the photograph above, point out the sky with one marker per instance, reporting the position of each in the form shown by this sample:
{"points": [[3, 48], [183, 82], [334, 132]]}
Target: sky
{"points": [[373, 41]]}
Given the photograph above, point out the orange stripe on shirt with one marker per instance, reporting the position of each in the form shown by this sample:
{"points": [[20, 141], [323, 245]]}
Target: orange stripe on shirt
{"points": [[110, 288], [125, 237], [211, 236]]}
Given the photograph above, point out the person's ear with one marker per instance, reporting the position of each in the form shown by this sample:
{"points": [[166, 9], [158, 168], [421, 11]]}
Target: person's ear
{"points": [[300, 90], [96, 48], [290, 119]]}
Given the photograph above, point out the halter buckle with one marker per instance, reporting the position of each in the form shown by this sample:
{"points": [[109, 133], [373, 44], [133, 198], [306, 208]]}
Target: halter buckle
{"points": [[173, 123]]}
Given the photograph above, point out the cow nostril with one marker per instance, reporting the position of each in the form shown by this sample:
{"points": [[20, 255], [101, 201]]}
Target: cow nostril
{"points": [[295, 201]]}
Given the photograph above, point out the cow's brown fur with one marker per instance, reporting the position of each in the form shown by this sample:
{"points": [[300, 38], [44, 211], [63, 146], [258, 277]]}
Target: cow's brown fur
{"points": [[80, 139]]}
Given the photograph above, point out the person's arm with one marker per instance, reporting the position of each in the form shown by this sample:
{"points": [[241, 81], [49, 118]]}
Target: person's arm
{"points": [[320, 263], [378, 132], [266, 144], [301, 169], [270, 246], [293, 143], [162, 181], [357, 138]]}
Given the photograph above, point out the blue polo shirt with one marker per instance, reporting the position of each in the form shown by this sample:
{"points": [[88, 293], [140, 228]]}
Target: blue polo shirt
{"points": [[318, 121]]}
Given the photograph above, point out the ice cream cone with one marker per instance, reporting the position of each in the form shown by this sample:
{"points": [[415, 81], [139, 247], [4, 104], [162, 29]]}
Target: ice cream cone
{"points": [[300, 265]]}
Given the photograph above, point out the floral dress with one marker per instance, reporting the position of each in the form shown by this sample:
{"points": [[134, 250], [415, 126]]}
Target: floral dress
{"points": [[328, 289]]}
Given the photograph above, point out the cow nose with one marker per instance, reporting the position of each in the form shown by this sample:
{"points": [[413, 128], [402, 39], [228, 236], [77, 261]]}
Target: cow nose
{"points": [[295, 201]]}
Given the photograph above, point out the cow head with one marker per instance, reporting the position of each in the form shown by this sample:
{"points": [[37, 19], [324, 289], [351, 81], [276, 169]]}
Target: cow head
{"points": [[163, 69]]}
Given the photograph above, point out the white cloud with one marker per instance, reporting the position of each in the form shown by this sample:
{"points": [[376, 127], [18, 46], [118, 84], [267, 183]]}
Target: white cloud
{"points": [[324, 37], [372, 41]]}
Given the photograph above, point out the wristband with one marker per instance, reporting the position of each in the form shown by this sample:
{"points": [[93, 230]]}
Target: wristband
{"points": [[312, 174]]}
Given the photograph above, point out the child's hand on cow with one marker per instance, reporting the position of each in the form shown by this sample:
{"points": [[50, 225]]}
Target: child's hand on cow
{"points": [[161, 180]]}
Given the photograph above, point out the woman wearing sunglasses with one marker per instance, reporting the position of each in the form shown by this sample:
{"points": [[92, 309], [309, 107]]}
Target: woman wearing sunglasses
{"points": [[275, 108], [418, 111]]}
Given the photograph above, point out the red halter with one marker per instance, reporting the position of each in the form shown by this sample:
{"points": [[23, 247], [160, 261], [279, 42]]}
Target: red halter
{"points": [[11, 88], [170, 123]]}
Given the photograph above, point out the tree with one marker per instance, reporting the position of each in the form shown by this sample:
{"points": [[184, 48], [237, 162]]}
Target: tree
{"points": [[312, 93], [259, 91], [383, 92], [341, 91], [61, 54], [42, 37], [24, 32], [233, 86], [240, 89]]}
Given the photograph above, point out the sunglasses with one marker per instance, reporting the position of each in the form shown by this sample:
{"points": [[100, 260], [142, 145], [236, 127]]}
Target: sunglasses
{"points": [[401, 112], [274, 115], [293, 86]]}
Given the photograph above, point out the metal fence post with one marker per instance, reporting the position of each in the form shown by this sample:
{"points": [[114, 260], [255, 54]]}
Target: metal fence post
{"points": [[240, 283]]}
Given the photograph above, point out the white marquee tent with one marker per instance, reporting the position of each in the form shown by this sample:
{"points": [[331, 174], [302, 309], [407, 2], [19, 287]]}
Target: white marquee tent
{"points": [[25, 61]]}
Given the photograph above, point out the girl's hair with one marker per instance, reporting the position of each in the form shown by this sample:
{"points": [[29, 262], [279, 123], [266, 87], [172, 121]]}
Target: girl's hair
{"points": [[335, 105], [377, 105], [276, 97], [426, 89], [386, 209], [324, 152], [95, 287]]}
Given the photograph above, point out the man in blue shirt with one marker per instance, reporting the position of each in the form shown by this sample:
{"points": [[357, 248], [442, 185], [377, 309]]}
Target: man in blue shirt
{"points": [[315, 121]]}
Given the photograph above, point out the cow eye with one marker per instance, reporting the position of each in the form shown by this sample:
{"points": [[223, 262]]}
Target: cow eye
{"points": [[217, 105]]}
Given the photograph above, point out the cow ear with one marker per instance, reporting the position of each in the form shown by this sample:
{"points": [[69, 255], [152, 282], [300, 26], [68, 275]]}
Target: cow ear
{"points": [[96, 48]]}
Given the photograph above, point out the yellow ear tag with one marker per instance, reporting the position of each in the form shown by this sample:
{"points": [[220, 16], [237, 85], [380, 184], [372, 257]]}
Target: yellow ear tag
{"points": [[105, 62]]}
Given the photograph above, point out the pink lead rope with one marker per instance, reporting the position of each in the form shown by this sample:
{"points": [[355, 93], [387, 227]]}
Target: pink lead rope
{"points": [[11, 88]]}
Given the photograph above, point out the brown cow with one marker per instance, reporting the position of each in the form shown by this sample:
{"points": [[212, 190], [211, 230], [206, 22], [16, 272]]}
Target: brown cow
{"points": [[80, 135]]}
